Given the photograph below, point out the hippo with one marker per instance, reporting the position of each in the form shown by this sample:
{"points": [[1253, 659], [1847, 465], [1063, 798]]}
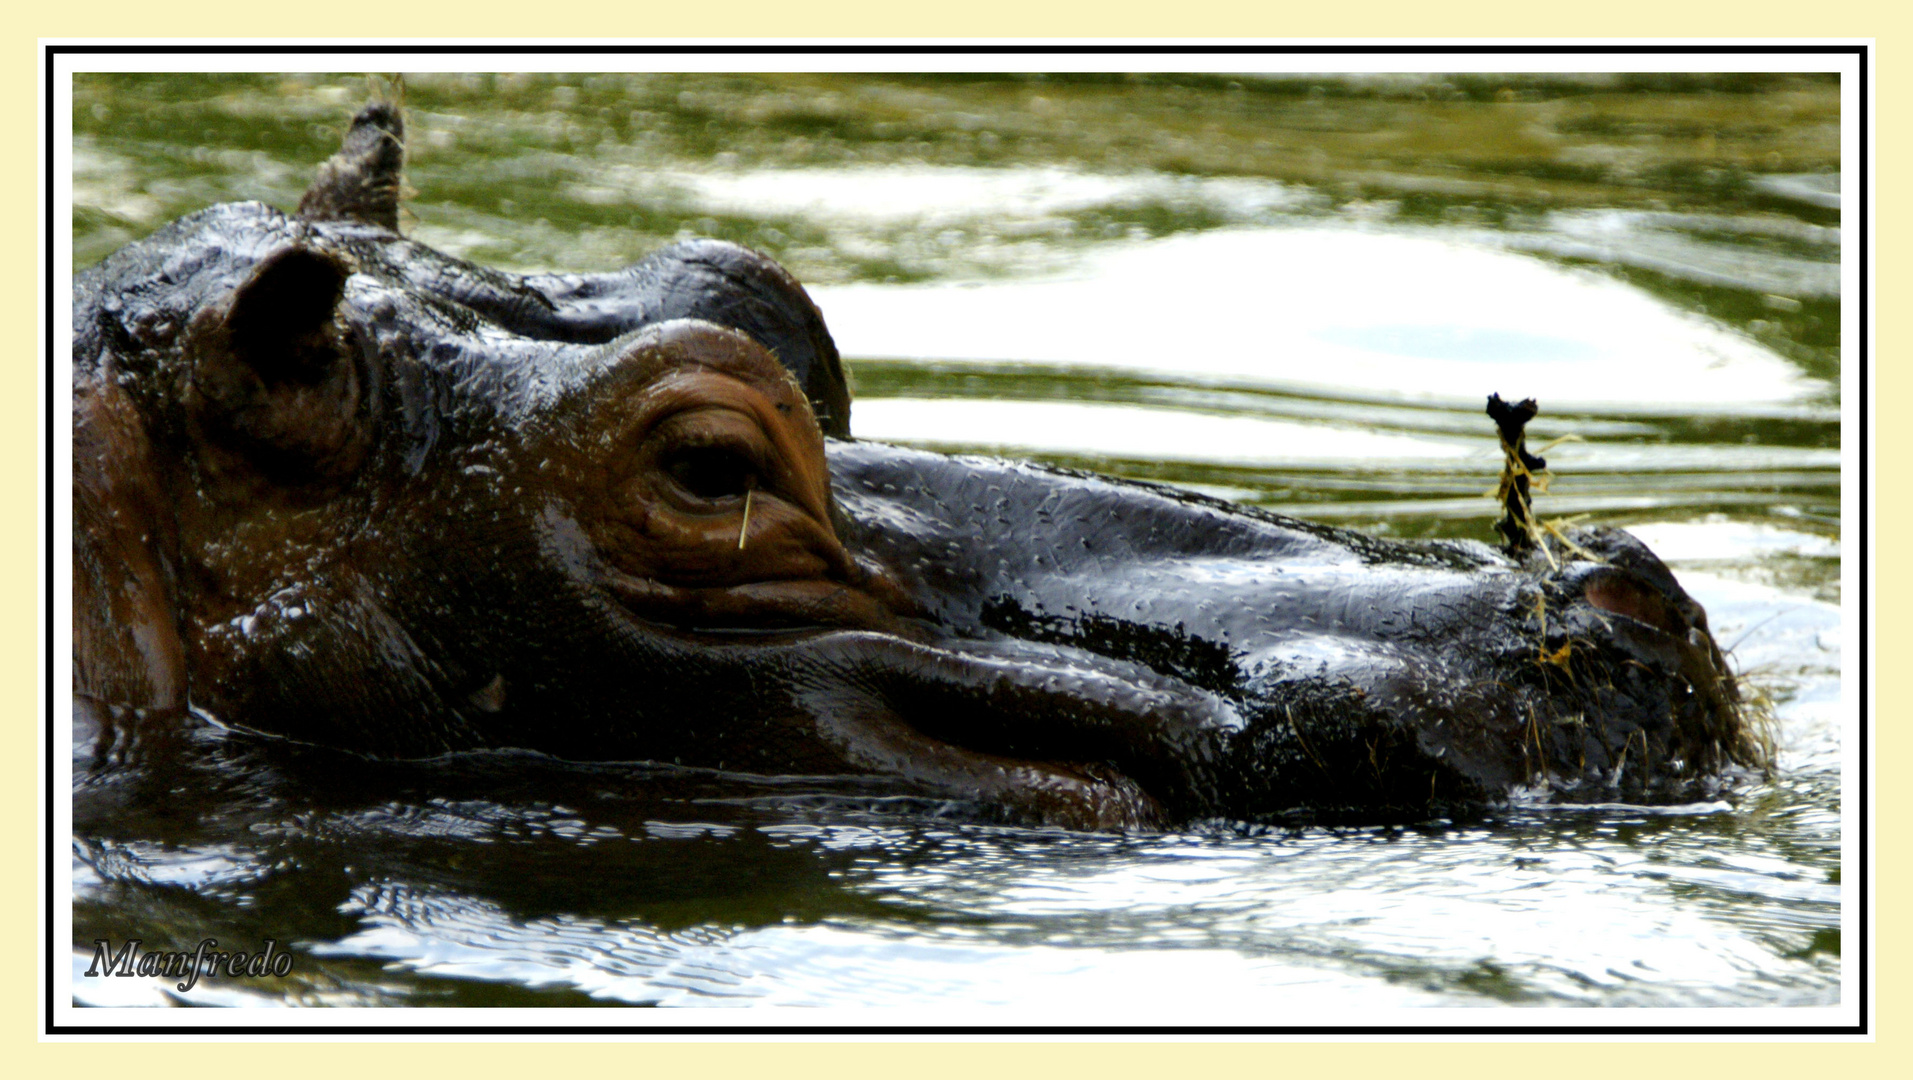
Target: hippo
{"points": [[334, 487]]}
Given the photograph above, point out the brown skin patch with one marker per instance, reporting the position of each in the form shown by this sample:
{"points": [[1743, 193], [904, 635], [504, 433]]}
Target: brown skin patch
{"points": [[126, 644], [698, 471]]}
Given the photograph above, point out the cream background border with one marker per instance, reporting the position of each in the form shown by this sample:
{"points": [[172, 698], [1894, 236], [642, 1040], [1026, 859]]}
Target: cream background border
{"points": [[22, 436]]}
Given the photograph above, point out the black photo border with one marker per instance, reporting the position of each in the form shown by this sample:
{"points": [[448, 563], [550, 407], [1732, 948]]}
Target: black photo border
{"points": [[1859, 350]]}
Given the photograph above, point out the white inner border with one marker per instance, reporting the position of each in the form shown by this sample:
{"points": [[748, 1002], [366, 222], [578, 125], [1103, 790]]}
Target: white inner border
{"points": [[1354, 61]]}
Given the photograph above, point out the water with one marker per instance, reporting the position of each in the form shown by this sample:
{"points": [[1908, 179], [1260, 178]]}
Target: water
{"points": [[1292, 292]]}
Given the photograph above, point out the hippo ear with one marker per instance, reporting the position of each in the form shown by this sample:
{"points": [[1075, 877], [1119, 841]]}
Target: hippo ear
{"points": [[363, 181], [273, 375], [278, 319]]}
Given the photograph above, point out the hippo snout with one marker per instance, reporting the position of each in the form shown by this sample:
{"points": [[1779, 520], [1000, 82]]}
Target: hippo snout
{"points": [[1641, 698]]}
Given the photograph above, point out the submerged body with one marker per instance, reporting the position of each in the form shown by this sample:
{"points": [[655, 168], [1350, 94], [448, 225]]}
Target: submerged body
{"points": [[335, 486]]}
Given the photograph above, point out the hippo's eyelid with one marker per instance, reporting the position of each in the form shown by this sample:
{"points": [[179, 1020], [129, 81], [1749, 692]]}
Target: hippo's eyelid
{"points": [[688, 434], [755, 450]]}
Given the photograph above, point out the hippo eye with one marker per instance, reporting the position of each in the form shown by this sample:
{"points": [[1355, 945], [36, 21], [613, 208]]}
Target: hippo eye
{"points": [[711, 472]]}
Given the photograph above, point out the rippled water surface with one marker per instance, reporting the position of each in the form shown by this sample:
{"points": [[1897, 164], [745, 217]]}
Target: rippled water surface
{"points": [[1292, 292]]}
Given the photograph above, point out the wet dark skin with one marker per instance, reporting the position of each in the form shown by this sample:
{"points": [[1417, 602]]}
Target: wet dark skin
{"points": [[335, 487]]}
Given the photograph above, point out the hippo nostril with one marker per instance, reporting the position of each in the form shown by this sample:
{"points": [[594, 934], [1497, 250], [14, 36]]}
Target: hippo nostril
{"points": [[1621, 593]]}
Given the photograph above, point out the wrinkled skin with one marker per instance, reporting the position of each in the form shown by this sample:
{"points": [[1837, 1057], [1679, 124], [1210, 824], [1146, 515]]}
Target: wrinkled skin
{"points": [[334, 486]]}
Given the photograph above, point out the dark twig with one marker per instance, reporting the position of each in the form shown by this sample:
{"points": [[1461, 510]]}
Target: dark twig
{"points": [[1517, 524]]}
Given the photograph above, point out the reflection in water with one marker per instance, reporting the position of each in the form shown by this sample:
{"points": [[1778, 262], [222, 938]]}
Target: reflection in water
{"points": [[1291, 291], [1612, 905], [1399, 316], [1124, 431]]}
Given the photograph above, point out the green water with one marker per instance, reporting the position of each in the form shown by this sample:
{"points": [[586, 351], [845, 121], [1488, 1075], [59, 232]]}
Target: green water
{"points": [[1290, 291]]}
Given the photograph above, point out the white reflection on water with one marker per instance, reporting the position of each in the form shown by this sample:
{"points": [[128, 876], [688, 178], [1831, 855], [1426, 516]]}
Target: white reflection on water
{"points": [[1136, 433], [1790, 647], [1716, 538], [840, 962], [1184, 929], [1130, 432], [1330, 309]]}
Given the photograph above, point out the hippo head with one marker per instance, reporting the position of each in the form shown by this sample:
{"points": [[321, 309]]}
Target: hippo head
{"points": [[334, 486]]}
